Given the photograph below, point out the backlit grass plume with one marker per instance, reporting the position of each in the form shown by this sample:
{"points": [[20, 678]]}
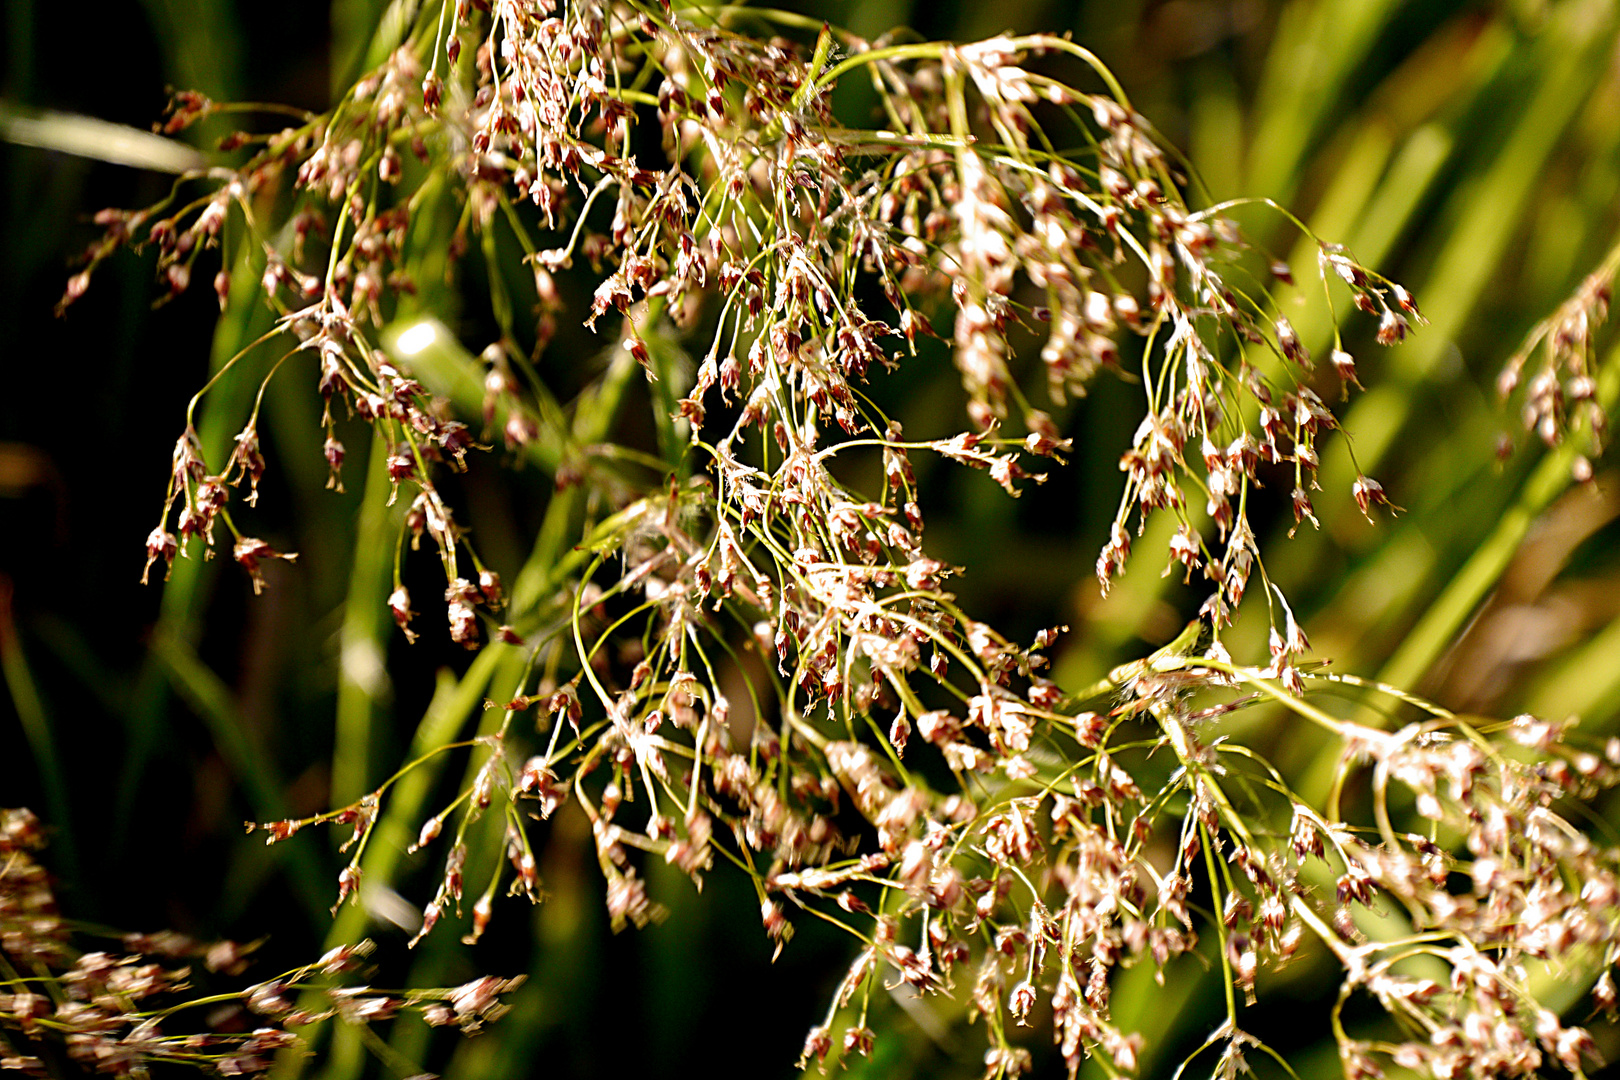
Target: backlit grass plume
{"points": [[746, 657]]}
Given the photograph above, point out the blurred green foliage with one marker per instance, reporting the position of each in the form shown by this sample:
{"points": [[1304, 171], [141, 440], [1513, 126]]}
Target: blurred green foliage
{"points": [[1470, 150]]}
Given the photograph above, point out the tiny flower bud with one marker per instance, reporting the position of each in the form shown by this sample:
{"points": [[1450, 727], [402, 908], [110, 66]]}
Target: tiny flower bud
{"points": [[160, 544], [77, 286], [1288, 341], [348, 881], [1391, 328], [248, 551], [489, 584], [1344, 365], [900, 732], [399, 604], [333, 450], [1368, 491], [859, 1040], [816, 1044], [429, 833]]}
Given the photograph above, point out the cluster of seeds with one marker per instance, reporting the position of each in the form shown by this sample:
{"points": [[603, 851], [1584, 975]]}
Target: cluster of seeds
{"points": [[119, 1012], [1515, 885], [898, 767], [1561, 396]]}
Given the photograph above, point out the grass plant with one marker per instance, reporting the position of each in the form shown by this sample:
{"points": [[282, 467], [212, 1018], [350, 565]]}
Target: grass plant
{"points": [[582, 381]]}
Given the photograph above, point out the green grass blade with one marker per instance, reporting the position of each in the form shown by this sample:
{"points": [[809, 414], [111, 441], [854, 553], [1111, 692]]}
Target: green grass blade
{"points": [[36, 724], [250, 765], [363, 683]]}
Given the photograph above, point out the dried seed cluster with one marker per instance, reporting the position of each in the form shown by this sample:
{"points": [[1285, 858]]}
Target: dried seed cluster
{"points": [[898, 767], [119, 1012], [1561, 398]]}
